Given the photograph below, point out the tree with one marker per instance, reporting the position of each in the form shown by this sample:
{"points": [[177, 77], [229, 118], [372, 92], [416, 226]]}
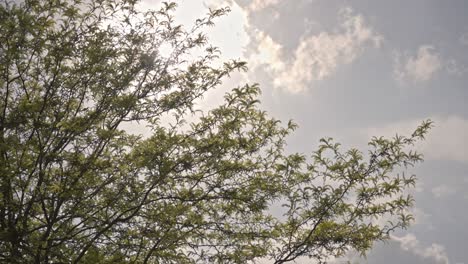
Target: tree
{"points": [[77, 188]]}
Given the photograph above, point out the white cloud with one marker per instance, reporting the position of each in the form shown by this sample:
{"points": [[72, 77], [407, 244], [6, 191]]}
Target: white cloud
{"points": [[268, 53], [447, 140], [421, 217], [419, 68], [257, 5], [318, 56], [229, 33], [434, 252]]}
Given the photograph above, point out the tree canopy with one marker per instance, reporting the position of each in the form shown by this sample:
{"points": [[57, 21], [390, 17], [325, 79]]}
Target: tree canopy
{"points": [[77, 188]]}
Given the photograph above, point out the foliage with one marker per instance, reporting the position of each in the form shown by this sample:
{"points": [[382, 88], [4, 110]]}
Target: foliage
{"points": [[77, 188]]}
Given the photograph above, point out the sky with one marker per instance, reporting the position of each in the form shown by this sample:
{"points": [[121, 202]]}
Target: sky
{"points": [[353, 69]]}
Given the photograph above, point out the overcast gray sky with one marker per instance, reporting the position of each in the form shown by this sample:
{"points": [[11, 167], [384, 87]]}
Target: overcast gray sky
{"points": [[351, 69]]}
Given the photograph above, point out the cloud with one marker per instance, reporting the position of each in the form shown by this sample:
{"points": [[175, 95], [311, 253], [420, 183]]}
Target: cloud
{"points": [[434, 252], [268, 53], [230, 32], [447, 140], [317, 57], [258, 5], [419, 68]]}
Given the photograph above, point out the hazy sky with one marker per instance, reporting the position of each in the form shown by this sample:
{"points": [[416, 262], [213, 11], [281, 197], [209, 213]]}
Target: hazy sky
{"points": [[354, 69]]}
